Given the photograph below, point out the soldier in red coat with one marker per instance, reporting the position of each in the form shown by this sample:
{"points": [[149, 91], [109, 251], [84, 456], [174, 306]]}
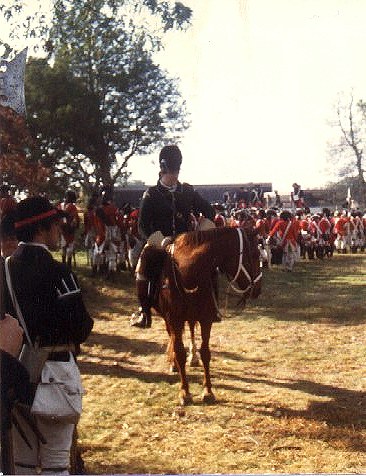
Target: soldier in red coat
{"points": [[341, 229], [262, 227], [90, 227], [108, 249], [69, 226], [286, 232]]}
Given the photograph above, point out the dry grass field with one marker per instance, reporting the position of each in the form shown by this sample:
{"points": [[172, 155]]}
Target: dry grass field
{"points": [[289, 374]]}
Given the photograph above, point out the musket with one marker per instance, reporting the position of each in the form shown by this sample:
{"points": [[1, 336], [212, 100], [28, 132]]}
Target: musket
{"points": [[11, 95]]}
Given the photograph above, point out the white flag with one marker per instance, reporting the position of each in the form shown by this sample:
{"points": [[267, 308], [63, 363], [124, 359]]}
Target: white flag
{"points": [[349, 195]]}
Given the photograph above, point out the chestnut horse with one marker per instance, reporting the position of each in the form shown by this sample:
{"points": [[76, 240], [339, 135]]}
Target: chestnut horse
{"points": [[187, 288]]}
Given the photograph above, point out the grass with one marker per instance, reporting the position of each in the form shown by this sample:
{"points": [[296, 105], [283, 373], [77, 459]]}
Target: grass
{"points": [[288, 374]]}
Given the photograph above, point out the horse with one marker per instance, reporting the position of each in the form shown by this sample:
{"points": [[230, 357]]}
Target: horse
{"points": [[186, 288]]}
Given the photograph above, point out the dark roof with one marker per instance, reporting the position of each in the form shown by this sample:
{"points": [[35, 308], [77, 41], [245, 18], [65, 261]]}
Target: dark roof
{"points": [[212, 193]]}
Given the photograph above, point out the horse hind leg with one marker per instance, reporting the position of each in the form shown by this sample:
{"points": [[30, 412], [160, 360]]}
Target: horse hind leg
{"points": [[207, 395], [169, 352], [193, 359]]}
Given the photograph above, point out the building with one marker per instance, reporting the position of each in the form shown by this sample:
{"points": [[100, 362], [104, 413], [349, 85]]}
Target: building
{"points": [[212, 193]]}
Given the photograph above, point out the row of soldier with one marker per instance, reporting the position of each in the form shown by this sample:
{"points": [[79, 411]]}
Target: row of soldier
{"points": [[112, 241], [285, 236]]}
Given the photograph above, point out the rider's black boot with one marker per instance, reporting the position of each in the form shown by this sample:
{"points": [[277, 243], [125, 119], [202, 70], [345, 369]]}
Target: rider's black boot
{"points": [[143, 318]]}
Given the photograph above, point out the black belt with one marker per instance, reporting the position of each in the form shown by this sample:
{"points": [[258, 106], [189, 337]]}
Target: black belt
{"points": [[63, 356]]}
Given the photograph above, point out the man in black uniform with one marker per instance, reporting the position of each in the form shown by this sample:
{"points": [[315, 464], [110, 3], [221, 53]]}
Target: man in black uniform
{"points": [[14, 385], [166, 210], [53, 309]]}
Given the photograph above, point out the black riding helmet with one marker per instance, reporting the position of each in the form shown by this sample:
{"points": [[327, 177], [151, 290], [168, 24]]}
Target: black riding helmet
{"points": [[170, 159]]}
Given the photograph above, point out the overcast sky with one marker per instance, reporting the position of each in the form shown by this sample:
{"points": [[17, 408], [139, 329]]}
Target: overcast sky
{"points": [[261, 79]]}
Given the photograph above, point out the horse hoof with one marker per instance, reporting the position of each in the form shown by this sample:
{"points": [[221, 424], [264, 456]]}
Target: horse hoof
{"points": [[186, 400], [208, 398], [173, 369]]}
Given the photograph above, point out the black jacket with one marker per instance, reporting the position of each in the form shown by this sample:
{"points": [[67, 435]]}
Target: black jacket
{"points": [[169, 212], [14, 386], [49, 297]]}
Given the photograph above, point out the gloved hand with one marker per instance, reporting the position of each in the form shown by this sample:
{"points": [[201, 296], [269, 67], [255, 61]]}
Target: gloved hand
{"points": [[168, 240]]}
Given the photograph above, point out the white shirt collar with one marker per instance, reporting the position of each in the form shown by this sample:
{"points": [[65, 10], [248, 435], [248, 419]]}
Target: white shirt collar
{"points": [[173, 188]]}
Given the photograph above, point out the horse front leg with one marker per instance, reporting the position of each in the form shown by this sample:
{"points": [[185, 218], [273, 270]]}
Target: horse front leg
{"points": [[193, 359], [180, 357], [207, 395]]}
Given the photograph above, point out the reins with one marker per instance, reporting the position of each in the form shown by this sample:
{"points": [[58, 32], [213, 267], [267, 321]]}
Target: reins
{"points": [[232, 283]]}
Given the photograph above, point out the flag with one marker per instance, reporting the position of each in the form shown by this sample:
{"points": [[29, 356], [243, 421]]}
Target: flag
{"points": [[12, 83], [349, 195]]}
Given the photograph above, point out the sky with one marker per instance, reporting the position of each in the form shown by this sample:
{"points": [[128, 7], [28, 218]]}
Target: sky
{"points": [[261, 79]]}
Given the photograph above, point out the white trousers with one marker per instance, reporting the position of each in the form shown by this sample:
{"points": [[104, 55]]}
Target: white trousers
{"points": [[290, 255], [52, 457]]}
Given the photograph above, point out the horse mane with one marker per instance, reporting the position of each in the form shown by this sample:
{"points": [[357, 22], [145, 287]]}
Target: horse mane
{"points": [[195, 254], [199, 237]]}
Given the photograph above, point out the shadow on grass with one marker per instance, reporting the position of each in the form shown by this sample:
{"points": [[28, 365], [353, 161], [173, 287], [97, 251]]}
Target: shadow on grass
{"points": [[341, 419], [344, 415], [121, 371], [120, 343], [345, 408]]}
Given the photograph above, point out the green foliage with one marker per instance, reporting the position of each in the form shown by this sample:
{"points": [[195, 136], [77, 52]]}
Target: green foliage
{"points": [[65, 118], [100, 98], [104, 99]]}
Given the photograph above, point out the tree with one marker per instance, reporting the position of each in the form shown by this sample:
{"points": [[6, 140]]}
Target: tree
{"points": [[66, 121], [347, 153], [104, 49], [19, 166], [16, 166]]}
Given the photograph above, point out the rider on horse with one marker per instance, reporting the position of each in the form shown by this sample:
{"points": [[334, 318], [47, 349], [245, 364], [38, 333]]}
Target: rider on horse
{"points": [[165, 212]]}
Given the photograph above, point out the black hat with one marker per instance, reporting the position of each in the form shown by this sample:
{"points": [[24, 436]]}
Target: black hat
{"points": [[286, 215], [170, 158], [35, 210]]}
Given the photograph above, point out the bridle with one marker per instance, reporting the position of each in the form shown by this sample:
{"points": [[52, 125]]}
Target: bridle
{"points": [[242, 269]]}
